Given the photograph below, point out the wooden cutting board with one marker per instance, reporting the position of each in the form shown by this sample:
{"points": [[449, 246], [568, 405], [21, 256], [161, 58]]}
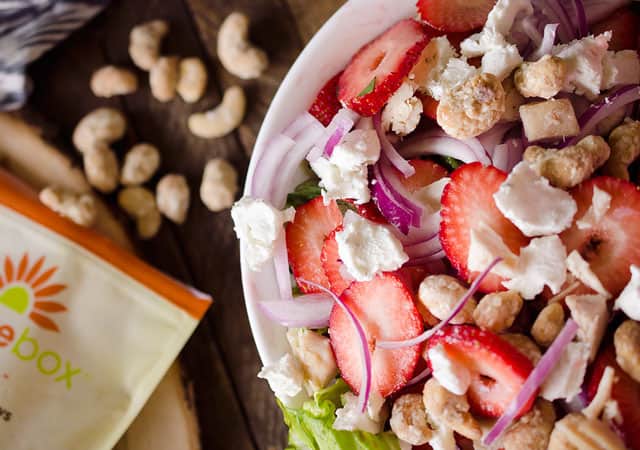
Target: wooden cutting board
{"points": [[168, 421]]}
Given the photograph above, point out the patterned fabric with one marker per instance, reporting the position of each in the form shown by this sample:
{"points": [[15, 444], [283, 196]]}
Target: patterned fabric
{"points": [[28, 28]]}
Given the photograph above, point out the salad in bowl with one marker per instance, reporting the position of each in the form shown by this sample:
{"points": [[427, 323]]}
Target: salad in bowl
{"points": [[440, 229]]}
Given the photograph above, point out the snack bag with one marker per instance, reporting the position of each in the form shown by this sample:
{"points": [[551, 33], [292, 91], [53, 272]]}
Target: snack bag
{"points": [[87, 330]]}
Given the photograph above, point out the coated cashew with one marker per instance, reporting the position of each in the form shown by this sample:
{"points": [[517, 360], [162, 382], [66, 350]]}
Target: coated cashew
{"points": [[223, 119], [144, 43], [111, 80], [163, 78], [192, 79], [100, 127], [140, 163], [101, 169], [80, 208], [172, 197], [140, 204], [149, 224], [625, 148], [219, 185], [236, 53]]}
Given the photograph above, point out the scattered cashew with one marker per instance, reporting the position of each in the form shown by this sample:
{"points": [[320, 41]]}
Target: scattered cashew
{"points": [[236, 53], [524, 345], [625, 148], [409, 420], [111, 80], [440, 294], [548, 324], [497, 311], [80, 208], [100, 127], [627, 341], [450, 409], [101, 169], [172, 197], [543, 78], [575, 432], [473, 107], [140, 204], [513, 100], [144, 43], [163, 78], [531, 431], [192, 79], [567, 167], [140, 163], [219, 185], [223, 119]]}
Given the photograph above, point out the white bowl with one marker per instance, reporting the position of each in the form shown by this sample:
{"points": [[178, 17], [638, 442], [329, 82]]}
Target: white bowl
{"points": [[352, 26]]}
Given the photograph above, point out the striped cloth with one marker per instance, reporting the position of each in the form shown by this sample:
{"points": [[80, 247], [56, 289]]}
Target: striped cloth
{"points": [[28, 28]]}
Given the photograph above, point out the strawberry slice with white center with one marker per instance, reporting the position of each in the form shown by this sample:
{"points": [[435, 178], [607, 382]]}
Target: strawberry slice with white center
{"points": [[467, 201], [387, 311], [498, 370], [313, 222], [455, 15], [334, 269], [613, 244], [426, 173], [377, 70], [625, 392]]}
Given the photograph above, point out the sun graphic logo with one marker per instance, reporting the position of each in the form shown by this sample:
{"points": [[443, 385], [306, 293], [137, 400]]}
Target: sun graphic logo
{"points": [[27, 289]]}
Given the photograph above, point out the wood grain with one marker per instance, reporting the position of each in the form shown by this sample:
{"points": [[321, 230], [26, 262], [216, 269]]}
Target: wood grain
{"points": [[235, 408]]}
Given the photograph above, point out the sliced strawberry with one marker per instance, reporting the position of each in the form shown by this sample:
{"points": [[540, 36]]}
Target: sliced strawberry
{"points": [[305, 236], [369, 211], [613, 244], [429, 106], [624, 25], [333, 267], [455, 15], [326, 104], [466, 202], [427, 172], [498, 369], [378, 69], [386, 310], [625, 391]]}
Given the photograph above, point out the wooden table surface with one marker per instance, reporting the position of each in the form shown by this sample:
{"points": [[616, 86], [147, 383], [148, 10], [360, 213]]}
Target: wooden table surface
{"points": [[236, 410]]}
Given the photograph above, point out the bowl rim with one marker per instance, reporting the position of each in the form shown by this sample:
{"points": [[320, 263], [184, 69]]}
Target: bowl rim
{"points": [[353, 25]]}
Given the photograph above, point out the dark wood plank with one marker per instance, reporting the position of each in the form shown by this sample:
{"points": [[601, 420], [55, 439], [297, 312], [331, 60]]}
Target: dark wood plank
{"points": [[310, 16], [62, 95]]}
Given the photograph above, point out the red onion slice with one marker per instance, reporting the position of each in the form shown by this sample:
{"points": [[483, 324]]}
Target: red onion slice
{"points": [[428, 247], [397, 215], [429, 228], [418, 378], [438, 143], [507, 155], [596, 10], [601, 110], [267, 166], [392, 345], [341, 124], [534, 381], [306, 311], [281, 265], [334, 140], [389, 150], [557, 14], [399, 192], [363, 396], [302, 122], [426, 259], [548, 40], [494, 136]]}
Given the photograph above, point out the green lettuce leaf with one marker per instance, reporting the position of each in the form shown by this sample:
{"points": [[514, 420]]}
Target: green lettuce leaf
{"points": [[310, 427]]}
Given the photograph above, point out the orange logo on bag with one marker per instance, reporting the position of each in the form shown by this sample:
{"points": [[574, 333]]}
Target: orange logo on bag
{"points": [[27, 289]]}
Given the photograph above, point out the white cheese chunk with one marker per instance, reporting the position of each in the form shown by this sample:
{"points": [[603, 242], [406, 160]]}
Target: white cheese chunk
{"points": [[314, 353], [504, 13], [532, 204], [620, 68], [367, 248], [584, 59], [485, 245], [357, 148], [580, 269], [565, 379], [501, 61], [542, 262], [403, 110], [458, 71], [350, 418], [629, 299], [339, 183], [432, 62], [600, 203], [452, 375], [285, 377], [591, 314], [430, 196], [258, 225]]}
